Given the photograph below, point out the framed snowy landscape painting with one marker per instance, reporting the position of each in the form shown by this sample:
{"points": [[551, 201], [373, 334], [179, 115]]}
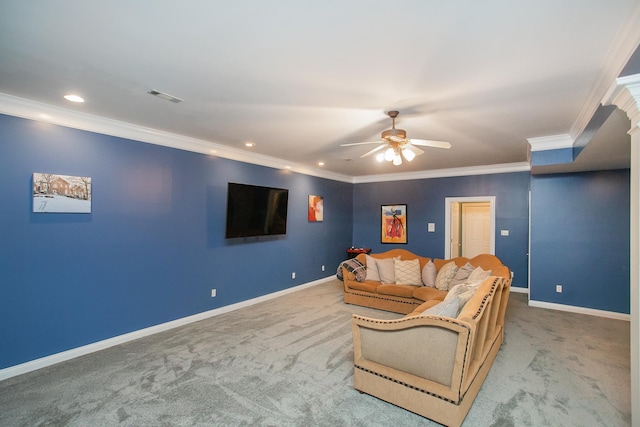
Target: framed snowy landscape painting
{"points": [[61, 193]]}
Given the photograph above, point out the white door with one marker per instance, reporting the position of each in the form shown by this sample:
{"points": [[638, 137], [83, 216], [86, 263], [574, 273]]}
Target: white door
{"points": [[476, 226], [481, 239]]}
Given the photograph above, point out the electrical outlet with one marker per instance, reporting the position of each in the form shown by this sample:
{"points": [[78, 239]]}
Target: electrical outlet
{"points": [[323, 268], [293, 275], [213, 293], [559, 288]]}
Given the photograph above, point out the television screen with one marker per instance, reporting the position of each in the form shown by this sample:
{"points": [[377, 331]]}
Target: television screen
{"points": [[255, 211]]}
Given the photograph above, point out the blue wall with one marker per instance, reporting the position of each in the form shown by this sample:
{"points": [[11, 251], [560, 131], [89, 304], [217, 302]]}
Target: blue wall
{"points": [[425, 200], [152, 248], [580, 239]]}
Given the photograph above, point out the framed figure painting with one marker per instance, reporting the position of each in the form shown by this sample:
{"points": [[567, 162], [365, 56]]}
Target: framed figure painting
{"points": [[316, 208], [393, 224]]}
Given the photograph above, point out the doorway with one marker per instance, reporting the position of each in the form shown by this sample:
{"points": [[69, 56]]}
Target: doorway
{"points": [[469, 226]]}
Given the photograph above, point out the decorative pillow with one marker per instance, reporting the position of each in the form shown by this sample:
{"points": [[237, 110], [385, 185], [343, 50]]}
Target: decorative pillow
{"points": [[445, 308], [429, 274], [478, 275], [463, 298], [445, 275], [386, 269], [462, 274], [354, 266], [407, 272], [372, 269], [457, 290]]}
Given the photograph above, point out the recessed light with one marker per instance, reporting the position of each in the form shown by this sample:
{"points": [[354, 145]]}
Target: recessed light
{"points": [[249, 144], [320, 163], [73, 98]]}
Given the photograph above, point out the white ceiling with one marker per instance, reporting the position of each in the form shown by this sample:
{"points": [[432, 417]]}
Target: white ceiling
{"points": [[299, 78]]}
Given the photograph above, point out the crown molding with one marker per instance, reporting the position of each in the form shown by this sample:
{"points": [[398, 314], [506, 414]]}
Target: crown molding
{"points": [[624, 45], [625, 94], [38, 111], [551, 142], [446, 173]]}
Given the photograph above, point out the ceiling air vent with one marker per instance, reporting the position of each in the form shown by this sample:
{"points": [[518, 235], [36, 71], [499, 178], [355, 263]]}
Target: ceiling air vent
{"points": [[164, 96]]}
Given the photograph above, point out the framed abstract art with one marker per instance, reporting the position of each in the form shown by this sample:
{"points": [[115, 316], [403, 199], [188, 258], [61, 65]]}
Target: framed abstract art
{"points": [[393, 224]]}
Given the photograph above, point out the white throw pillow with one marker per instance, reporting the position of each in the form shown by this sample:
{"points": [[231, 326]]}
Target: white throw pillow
{"points": [[461, 275], [445, 308], [372, 269], [478, 275], [457, 290], [445, 275], [386, 270], [429, 274], [407, 272]]}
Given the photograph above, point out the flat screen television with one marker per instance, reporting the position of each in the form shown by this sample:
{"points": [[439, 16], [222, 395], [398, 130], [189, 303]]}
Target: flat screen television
{"points": [[256, 211]]}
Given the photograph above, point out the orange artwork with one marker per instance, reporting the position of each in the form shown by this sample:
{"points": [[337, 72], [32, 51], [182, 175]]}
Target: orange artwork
{"points": [[316, 208], [394, 224]]}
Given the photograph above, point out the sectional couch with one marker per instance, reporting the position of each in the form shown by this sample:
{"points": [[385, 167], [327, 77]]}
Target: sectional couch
{"points": [[433, 360], [402, 297]]}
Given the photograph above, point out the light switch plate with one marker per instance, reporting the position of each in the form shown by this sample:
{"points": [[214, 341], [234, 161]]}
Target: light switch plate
{"points": [[504, 232], [431, 227]]}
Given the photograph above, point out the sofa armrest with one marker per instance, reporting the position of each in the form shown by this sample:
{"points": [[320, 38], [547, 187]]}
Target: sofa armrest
{"points": [[425, 352]]}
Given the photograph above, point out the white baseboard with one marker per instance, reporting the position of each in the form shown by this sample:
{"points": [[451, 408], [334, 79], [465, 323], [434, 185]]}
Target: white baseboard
{"points": [[519, 289], [580, 310], [43, 362]]}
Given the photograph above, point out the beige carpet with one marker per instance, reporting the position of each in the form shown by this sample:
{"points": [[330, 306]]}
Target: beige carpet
{"points": [[288, 362]]}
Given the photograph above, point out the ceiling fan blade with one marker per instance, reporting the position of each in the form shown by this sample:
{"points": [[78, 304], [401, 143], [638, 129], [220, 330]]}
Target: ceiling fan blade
{"points": [[361, 143], [370, 152], [415, 149], [430, 143]]}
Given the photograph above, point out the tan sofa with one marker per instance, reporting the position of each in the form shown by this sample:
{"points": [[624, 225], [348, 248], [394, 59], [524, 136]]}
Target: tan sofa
{"points": [[430, 364], [406, 299]]}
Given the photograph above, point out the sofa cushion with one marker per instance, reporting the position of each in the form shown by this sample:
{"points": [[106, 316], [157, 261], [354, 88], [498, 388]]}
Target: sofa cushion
{"points": [[445, 275], [407, 272], [396, 290], [386, 269], [429, 274], [356, 267], [372, 269], [425, 293], [461, 275], [365, 286]]}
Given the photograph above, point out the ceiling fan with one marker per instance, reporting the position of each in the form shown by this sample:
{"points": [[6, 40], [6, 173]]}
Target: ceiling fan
{"points": [[397, 146]]}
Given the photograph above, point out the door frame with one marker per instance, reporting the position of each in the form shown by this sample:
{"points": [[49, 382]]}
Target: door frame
{"points": [[447, 220]]}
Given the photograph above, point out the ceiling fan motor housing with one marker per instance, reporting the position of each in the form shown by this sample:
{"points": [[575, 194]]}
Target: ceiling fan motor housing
{"points": [[394, 133]]}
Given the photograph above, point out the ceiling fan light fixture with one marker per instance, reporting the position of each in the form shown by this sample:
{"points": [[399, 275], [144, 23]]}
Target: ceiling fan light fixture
{"points": [[395, 146], [389, 154], [408, 154]]}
